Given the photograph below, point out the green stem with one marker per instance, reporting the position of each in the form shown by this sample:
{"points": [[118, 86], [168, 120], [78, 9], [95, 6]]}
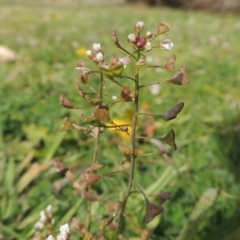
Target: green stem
{"points": [[133, 156], [95, 154]]}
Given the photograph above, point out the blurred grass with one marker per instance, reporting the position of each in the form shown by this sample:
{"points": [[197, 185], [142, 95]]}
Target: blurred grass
{"points": [[47, 37]]}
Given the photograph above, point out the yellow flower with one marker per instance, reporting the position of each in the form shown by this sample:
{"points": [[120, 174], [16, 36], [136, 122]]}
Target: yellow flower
{"points": [[126, 120], [81, 51]]}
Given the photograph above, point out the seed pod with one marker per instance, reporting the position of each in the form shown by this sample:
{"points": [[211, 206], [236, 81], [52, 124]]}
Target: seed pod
{"points": [[152, 210], [172, 113], [65, 102], [170, 64], [181, 77], [90, 178], [127, 95]]}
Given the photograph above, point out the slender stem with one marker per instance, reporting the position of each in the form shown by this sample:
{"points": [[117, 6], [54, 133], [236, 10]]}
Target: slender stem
{"points": [[133, 156], [150, 84], [95, 154], [148, 114]]}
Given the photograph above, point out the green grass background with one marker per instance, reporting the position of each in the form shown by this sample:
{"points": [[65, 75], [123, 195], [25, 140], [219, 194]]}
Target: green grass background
{"points": [[46, 37]]}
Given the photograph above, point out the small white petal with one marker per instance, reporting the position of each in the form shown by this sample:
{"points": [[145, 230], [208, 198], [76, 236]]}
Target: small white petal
{"points": [[114, 98], [148, 46], [139, 26], [132, 38], [64, 229], [50, 237], [89, 53], [49, 208], [125, 60], [43, 216], [99, 57], [97, 47], [38, 225], [167, 44]]}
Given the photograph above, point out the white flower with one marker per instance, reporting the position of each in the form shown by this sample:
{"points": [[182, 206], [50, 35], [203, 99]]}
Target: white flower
{"points": [[149, 34], [114, 98], [89, 53], [43, 217], [167, 44], [100, 57], [125, 60], [97, 47], [49, 208], [38, 225], [50, 237], [148, 46], [132, 38], [139, 26], [64, 229]]}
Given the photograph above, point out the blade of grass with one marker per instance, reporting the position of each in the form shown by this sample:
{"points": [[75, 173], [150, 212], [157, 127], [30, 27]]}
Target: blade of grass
{"points": [[8, 231], [198, 214]]}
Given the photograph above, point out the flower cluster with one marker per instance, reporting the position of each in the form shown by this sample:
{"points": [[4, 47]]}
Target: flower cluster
{"points": [[45, 217], [116, 66], [145, 42], [64, 233]]}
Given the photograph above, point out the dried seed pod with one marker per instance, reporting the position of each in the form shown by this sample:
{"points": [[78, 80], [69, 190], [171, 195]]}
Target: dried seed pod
{"points": [[180, 78], [172, 113], [90, 178], [66, 125], [60, 167], [126, 151], [152, 210], [102, 113], [127, 95], [65, 102], [93, 121], [162, 196], [84, 78], [169, 139], [88, 196], [94, 167], [162, 28], [170, 63]]}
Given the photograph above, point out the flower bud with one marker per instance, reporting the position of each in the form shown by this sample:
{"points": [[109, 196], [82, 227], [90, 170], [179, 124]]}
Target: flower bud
{"points": [[141, 42], [115, 38], [132, 38], [89, 54], [139, 26], [148, 46], [97, 47], [99, 57], [149, 34]]}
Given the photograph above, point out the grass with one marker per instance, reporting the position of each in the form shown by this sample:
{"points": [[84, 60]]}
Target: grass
{"points": [[47, 37]]}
